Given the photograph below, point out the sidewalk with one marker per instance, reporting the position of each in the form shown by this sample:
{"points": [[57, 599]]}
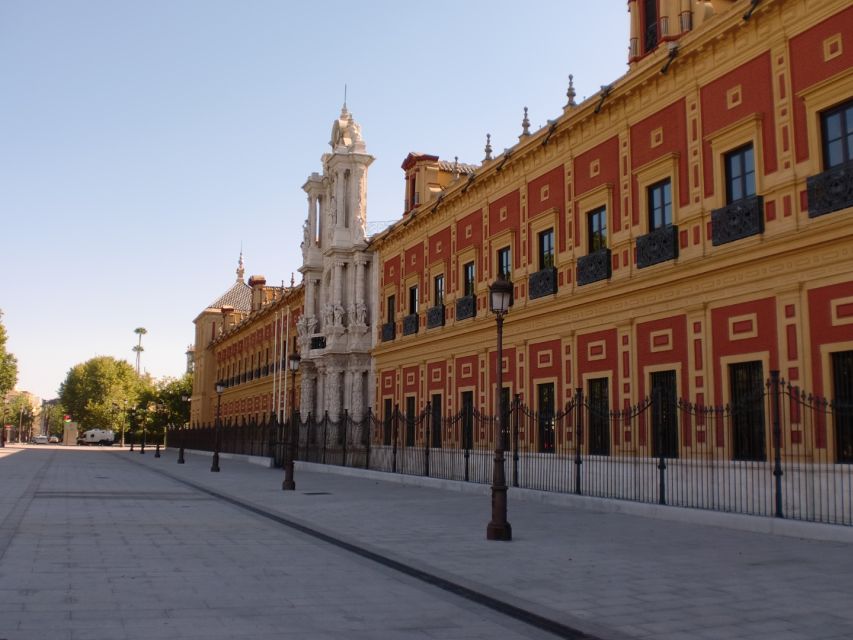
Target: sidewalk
{"points": [[611, 575], [605, 573]]}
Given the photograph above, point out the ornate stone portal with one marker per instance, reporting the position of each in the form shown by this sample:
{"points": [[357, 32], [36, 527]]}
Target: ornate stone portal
{"points": [[333, 333]]}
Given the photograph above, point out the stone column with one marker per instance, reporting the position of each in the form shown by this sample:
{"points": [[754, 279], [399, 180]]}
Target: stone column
{"points": [[357, 395], [306, 398]]}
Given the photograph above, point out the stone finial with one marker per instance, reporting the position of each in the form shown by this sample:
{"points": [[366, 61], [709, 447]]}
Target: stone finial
{"points": [[456, 167], [525, 125], [570, 94], [488, 147], [292, 280], [240, 270]]}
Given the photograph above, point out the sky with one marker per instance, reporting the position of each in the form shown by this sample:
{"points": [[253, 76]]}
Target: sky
{"points": [[142, 144]]}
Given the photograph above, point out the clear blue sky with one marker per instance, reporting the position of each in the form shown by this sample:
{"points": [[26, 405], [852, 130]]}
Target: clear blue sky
{"points": [[142, 142]]}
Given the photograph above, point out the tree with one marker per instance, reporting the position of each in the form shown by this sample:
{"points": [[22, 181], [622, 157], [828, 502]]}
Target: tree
{"points": [[95, 391], [8, 364]]}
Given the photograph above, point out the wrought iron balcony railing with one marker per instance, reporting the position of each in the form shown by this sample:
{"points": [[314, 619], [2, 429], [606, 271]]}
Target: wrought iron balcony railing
{"points": [[658, 246], [318, 342], [389, 331], [435, 316], [739, 219], [543, 283], [410, 324], [831, 190], [466, 307], [594, 267]]}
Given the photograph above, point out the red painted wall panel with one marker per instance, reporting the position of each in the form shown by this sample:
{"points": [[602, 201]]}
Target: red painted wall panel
{"points": [[607, 154], [672, 121], [756, 84], [808, 66]]}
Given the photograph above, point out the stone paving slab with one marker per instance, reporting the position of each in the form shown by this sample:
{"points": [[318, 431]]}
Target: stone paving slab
{"points": [[613, 575], [180, 564]]}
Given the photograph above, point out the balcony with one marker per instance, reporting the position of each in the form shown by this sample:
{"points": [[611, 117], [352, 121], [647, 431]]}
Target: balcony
{"points": [[410, 324], [435, 317], [831, 190], [466, 307], [658, 246], [543, 283], [389, 331], [318, 342], [594, 267], [740, 219]]}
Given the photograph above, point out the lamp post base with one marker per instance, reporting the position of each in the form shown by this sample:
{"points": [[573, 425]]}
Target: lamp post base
{"points": [[215, 466], [499, 531], [181, 456]]}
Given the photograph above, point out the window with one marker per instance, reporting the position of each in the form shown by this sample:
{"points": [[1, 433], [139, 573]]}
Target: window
{"points": [[392, 303], [598, 401], [660, 205], [746, 388], [468, 279], [740, 174], [546, 249], [435, 426], [504, 263], [664, 415], [413, 300], [842, 405], [597, 229], [650, 24], [438, 290], [837, 132], [545, 416]]}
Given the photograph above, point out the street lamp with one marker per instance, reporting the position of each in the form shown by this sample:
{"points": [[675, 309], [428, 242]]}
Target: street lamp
{"points": [[215, 465], [500, 299], [181, 451], [289, 484]]}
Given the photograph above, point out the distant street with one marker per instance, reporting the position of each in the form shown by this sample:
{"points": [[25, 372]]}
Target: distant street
{"points": [[106, 544]]}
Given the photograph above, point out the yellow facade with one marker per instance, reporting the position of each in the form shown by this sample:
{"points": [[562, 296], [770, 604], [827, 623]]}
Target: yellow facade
{"points": [[771, 283]]}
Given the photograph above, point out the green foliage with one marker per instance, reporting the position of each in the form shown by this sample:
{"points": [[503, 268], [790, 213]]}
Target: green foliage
{"points": [[8, 364], [98, 392], [53, 414]]}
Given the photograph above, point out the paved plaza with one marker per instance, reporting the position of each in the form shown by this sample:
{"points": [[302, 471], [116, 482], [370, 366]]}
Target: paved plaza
{"points": [[108, 544]]}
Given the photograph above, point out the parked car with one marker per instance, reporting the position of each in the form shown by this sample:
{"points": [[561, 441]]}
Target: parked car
{"points": [[39, 440], [53, 439]]}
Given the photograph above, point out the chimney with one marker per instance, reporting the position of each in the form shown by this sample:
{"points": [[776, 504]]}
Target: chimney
{"points": [[257, 283]]}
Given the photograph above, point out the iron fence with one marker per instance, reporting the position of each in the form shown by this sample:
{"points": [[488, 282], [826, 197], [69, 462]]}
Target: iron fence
{"points": [[778, 452]]}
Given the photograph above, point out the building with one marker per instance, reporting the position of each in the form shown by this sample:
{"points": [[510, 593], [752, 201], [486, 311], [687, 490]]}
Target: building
{"points": [[245, 338], [687, 230]]}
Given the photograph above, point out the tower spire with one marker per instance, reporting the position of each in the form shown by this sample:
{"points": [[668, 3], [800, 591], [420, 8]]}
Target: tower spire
{"points": [[240, 269]]}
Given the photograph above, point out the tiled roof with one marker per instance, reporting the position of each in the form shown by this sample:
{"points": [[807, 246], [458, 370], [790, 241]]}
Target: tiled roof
{"points": [[238, 296], [444, 165]]}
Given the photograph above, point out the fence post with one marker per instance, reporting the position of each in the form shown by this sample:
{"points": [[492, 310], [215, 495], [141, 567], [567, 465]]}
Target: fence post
{"points": [[394, 439], [346, 422], [325, 433], [427, 441], [657, 417], [367, 426], [777, 441], [578, 437], [515, 419]]}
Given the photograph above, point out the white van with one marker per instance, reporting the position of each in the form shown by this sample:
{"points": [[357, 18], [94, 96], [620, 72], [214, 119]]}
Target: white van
{"points": [[103, 437]]}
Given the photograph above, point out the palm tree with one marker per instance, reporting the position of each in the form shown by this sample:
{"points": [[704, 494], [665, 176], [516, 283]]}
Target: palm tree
{"points": [[138, 349]]}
